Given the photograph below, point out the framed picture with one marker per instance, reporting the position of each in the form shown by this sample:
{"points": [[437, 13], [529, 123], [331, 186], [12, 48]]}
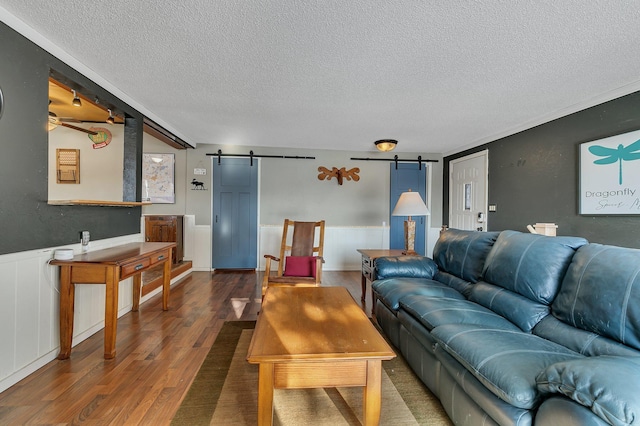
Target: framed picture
{"points": [[158, 178], [610, 175]]}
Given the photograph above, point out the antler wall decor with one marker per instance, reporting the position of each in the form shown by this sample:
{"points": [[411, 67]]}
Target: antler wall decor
{"points": [[339, 174]]}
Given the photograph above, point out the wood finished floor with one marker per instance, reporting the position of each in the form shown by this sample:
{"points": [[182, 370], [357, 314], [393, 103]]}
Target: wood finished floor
{"points": [[158, 356]]}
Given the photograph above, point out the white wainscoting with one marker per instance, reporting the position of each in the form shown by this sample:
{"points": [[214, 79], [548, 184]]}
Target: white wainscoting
{"points": [[29, 303], [341, 243], [197, 244], [29, 308]]}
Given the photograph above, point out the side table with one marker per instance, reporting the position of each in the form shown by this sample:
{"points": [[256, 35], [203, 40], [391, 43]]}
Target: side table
{"points": [[368, 272]]}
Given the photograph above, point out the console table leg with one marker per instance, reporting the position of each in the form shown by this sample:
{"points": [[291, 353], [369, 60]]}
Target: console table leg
{"points": [[67, 294], [166, 284], [111, 312], [137, 287]]}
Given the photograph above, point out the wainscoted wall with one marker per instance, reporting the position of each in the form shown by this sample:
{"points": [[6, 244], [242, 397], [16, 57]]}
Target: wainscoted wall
{"points": [[29, 304], [341, 243], [29, 308]]}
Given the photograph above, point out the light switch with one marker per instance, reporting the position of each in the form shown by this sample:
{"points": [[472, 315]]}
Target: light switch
{"points": [[493, 207]]}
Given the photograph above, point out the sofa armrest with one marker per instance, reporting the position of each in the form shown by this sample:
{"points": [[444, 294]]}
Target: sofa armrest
{"points": [[607, 385], [405, 266]]}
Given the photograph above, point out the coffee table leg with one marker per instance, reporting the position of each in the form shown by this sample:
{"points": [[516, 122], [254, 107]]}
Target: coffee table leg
{"points": [[265, 394], [373, 393]]}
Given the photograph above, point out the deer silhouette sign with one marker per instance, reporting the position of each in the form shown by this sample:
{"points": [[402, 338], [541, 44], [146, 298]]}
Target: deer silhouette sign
{"points": [[620, 154]]}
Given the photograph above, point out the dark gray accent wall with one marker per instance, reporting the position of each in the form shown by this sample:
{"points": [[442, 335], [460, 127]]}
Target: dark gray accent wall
{"points": [[26, 220], [132, 170], [533, 175]]}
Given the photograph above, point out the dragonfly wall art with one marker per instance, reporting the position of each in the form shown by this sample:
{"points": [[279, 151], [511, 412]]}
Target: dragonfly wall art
{"points": [[611, 155]]}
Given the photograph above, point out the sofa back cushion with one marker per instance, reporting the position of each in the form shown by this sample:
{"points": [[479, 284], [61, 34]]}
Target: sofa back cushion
{"points": [[463, 253], [522, 275], [601, 293], [529, 264]]}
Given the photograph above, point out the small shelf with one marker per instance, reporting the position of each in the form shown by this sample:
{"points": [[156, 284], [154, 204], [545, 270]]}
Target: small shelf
{"points": [[98, 203]]}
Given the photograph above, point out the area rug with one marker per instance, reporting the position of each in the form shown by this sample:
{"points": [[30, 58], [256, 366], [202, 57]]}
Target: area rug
{"points": [[225, 392]]}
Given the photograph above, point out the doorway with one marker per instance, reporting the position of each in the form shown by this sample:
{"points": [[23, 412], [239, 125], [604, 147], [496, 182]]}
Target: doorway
{"points": [[234, 219], [407, 176], [468, 192]]}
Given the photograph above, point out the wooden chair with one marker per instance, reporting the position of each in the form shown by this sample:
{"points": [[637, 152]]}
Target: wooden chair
{"points": [[301, 255]]}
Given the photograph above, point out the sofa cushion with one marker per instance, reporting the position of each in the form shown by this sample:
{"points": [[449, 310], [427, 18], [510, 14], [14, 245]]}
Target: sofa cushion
{"points": [[585, 342], [434, 311], [458, 386], [529, 264], [506, 362], [454, 282], [463, 253], [601, 293], [560, 410], [405, 266], [608, 385], [518, 309], [390, 290]]}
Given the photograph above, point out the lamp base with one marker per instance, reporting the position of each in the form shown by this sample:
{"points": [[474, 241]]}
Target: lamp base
{"points": [[409, 237], [409, 253]]}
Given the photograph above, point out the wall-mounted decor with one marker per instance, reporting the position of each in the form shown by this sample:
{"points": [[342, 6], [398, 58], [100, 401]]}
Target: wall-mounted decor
{"points": [[197, 185], [102, 137], [158, 178], [609, 175], [67, 165], [339, 174]]}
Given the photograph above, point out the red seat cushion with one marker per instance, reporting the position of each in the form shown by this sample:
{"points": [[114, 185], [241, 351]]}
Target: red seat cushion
{"points": [[300, 266]]}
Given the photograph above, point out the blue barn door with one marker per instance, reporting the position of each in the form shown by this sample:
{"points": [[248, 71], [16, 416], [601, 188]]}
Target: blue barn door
{"points": [[407, 177], [234, 219]]}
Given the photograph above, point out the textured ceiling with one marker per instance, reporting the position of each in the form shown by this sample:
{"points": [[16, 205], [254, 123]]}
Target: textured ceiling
{"points": [[437, 76]]}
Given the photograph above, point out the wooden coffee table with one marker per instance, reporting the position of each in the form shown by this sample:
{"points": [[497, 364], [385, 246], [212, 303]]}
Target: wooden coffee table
{"points": [[312, 337]]}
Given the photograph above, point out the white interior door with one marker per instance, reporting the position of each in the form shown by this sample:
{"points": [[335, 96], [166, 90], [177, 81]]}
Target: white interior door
{"points": [[468, 188]]}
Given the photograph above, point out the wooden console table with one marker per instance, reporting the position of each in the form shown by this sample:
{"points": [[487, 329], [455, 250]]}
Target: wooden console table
{"points": [[109, 267]]}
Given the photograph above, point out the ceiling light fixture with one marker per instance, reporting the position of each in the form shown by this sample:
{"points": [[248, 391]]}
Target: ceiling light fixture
{"points": [[111, 118], [386, 145], [76, 100]]}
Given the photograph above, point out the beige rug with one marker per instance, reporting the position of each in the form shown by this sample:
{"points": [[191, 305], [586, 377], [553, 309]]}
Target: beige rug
{"points": [[238, 398]]}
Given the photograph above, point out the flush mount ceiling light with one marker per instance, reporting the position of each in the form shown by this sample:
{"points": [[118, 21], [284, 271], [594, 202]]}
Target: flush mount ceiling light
{"points": [[76, 100], [386, 145], [110, 119]]}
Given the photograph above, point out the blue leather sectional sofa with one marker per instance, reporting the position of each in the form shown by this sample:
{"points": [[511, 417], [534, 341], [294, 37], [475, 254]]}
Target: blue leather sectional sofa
{"points": [[513, 328]]}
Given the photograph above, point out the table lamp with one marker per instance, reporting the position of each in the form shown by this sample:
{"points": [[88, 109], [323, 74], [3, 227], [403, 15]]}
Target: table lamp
{"points": [[410, 204]]}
